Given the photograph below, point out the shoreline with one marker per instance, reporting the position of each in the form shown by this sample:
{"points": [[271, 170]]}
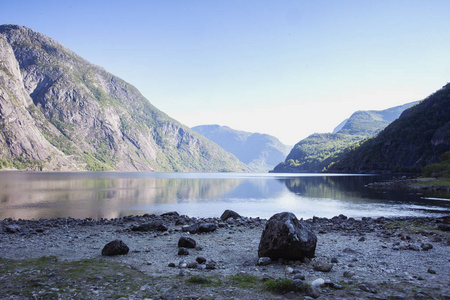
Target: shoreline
{"points": [[372, 257]]}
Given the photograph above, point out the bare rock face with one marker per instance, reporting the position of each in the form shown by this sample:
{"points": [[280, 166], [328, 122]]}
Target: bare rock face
{"points": [[286, 237], [59, 112]]}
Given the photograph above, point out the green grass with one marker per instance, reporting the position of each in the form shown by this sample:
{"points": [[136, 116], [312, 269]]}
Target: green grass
{"points": [[433, 181], [282, 286], [246, 280], [411, 227]]}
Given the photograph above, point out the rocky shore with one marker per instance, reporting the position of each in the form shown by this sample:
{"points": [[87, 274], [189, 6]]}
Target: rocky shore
{"points": [[383, 258]]}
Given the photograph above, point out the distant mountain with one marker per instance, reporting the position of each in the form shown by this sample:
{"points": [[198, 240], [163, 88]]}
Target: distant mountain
{"points": [[420, 136], [316, 152], [59, 112], [261, 152]]}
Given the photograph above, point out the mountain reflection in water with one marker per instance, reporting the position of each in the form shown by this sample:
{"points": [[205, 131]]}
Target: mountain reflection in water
{"points": [[110, 195]]}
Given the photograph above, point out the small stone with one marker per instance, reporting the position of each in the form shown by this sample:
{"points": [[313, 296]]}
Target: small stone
{"points": [[264, 261], [414, 247], [186, 242], [289, 270], [431, 271], [334, 260], [426, 247], [362, 239], [192, 265], [172, 265], [318, 282], [322, 266], [207, 227], [349, 274], [299, 276], [183, 251], [200, 259], [367, 287], [298, 283], [211, 265], [313, 291], [13, 228]]}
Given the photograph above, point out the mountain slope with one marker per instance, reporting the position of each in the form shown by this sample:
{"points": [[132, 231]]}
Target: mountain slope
{"points": [[420, 136], [259, 151], [59, 112], [316, 152]]}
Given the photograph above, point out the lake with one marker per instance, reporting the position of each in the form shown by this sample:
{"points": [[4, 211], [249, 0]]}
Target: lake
{"points": [[28, 195]]}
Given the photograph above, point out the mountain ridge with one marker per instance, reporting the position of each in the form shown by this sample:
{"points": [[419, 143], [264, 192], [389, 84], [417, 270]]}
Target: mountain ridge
{"points": [[261, 152], [420, 136], [316, 152], [78, 116]]}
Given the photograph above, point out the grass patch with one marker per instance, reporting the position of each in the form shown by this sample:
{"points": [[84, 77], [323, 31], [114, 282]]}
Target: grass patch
{"points": [[433, 181], [214, 281], [411, 227], [46, 277], [245, 280], [282, 286]]}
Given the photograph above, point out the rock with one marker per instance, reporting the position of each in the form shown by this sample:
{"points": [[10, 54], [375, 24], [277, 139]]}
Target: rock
{"points": [[13, 228], [116, 247], [322, 266], [350, 251], [367, 287], [444, 227], [186, 242], [431, 271], [318, 282], [200, 259], [170, 214], [426, 247], [349, 274], [211, 265], [207, 227], [362, 239], [414, 247], [313, 291], [152, 226], [284, 236], [334, 260], [183, 251], [299, 276], [264, 261], [229, 214], [192, 265], [298, 283], [172, 265]]}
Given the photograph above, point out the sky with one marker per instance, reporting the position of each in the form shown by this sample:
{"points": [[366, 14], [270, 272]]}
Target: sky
{"points": [[285, 68]]}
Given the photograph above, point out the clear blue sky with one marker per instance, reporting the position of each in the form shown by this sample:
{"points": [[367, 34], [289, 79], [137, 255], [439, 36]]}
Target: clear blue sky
{"points": [[286, 68]]}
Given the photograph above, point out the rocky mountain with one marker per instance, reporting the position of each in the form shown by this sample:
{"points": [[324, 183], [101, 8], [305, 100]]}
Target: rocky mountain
{"points": [[316, 152], [420, 136], [261, 152], [60, 112]]}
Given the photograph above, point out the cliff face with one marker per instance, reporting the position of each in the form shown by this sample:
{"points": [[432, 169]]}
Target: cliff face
{"points": [[60, 112]]}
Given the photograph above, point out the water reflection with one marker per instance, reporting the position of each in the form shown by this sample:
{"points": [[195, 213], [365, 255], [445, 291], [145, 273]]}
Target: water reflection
{"points": [[110, 195]]}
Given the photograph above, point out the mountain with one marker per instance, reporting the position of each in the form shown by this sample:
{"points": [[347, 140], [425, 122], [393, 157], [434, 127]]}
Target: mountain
{"points": [[316, 152], [420, 136], [60, 112], [261, 152]]}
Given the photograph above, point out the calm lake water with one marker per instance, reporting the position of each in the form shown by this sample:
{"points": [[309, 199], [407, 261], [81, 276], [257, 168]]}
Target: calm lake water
{"points": [[110, 195]]}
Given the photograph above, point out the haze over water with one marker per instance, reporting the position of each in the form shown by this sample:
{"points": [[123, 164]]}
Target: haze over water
{"points": [[110, 195]]}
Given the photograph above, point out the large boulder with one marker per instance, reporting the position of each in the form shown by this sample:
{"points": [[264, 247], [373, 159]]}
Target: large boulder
{"points": [[116, 247], [229, 214], [286, 237]]}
